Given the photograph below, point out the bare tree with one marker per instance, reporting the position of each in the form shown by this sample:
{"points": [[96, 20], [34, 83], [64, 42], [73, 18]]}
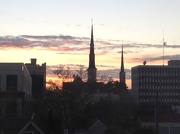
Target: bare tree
{"points": [[81, 71], [52, 85], [104, 77], [67, 73], [63, 73]]}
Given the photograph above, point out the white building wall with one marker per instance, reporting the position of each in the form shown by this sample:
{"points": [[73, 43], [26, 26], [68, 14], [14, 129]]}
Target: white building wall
{"points": [[23, 77], [24, 83]]}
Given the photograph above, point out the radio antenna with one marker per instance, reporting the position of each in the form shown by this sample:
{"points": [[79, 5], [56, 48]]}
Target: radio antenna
{"points": [[164, 43]]}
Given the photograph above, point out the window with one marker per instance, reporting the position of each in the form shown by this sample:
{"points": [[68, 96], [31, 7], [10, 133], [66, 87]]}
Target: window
{"points": [[11, 82]]}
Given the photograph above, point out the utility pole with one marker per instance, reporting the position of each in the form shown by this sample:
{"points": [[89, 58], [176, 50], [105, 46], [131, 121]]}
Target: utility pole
{"points": [[156, 113], [164, 43]]}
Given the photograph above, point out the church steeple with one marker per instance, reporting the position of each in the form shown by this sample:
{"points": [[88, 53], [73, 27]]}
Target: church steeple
{"points": [[122, 72], [92, 68]]}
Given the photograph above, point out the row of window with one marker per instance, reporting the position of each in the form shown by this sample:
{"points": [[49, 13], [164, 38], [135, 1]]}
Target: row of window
{"points": [[161, 79], [158, 74], [161, 93], [149, 86], [160, 100], [160, 70]]}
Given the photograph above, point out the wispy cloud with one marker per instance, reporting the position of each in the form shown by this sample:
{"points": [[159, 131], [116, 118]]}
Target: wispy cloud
{"points": [[149, 58], [71, 43], [11, 41], [67, 44]]}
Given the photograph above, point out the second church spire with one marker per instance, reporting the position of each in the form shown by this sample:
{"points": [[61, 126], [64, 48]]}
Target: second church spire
{"points": [[122, 74]]}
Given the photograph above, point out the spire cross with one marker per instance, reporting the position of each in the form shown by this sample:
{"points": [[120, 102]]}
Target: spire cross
{"points": [[92, 21]]}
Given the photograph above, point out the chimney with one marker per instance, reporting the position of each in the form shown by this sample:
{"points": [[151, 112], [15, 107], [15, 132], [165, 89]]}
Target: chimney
{"points": [[33, 61]]}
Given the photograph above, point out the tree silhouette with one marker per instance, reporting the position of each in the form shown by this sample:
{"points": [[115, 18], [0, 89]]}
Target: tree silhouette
{"points": [[52, 85], [63, 73], [81, 71]]}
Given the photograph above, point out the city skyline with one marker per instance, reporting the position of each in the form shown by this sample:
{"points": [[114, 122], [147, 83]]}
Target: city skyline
{"points": [[59, 32]]}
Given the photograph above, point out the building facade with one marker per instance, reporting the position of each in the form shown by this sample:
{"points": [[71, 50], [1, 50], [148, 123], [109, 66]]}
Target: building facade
{"points": [[152, 83], [15, 89], [38, 74]]}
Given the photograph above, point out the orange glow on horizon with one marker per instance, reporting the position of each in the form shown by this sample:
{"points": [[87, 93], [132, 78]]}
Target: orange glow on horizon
{"points": [[59, 81]]}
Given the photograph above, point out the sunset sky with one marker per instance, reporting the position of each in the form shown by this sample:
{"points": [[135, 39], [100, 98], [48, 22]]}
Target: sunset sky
{"points": [[58, 32]]}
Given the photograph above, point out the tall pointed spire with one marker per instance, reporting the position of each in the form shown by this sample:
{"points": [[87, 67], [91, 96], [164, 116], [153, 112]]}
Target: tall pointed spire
{"points": [[92, 41], [92, 68], [122, 72], [122, 60], [92, 55]]}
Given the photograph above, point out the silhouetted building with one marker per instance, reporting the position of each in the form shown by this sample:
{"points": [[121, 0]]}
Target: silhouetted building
{"points": [[96, 127], [30, 125], [38, 74], [15, 89], [151, 82], [92, 69], [35, 125]]}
